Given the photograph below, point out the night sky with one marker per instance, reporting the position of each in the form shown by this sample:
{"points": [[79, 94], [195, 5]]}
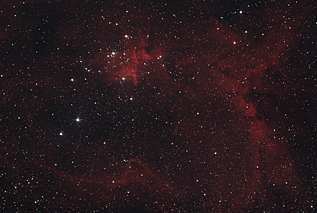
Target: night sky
{"points": [[158, 106]]}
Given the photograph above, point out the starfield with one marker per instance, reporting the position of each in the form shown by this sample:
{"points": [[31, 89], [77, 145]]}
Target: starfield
{"points": [[158, 106]]}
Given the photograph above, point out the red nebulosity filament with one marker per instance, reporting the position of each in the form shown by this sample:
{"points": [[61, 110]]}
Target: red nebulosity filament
{"points": [[125, 65], [128, 73]]}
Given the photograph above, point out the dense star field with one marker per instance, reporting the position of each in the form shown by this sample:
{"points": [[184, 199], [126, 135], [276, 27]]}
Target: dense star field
{"points": [[158, 106]]}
